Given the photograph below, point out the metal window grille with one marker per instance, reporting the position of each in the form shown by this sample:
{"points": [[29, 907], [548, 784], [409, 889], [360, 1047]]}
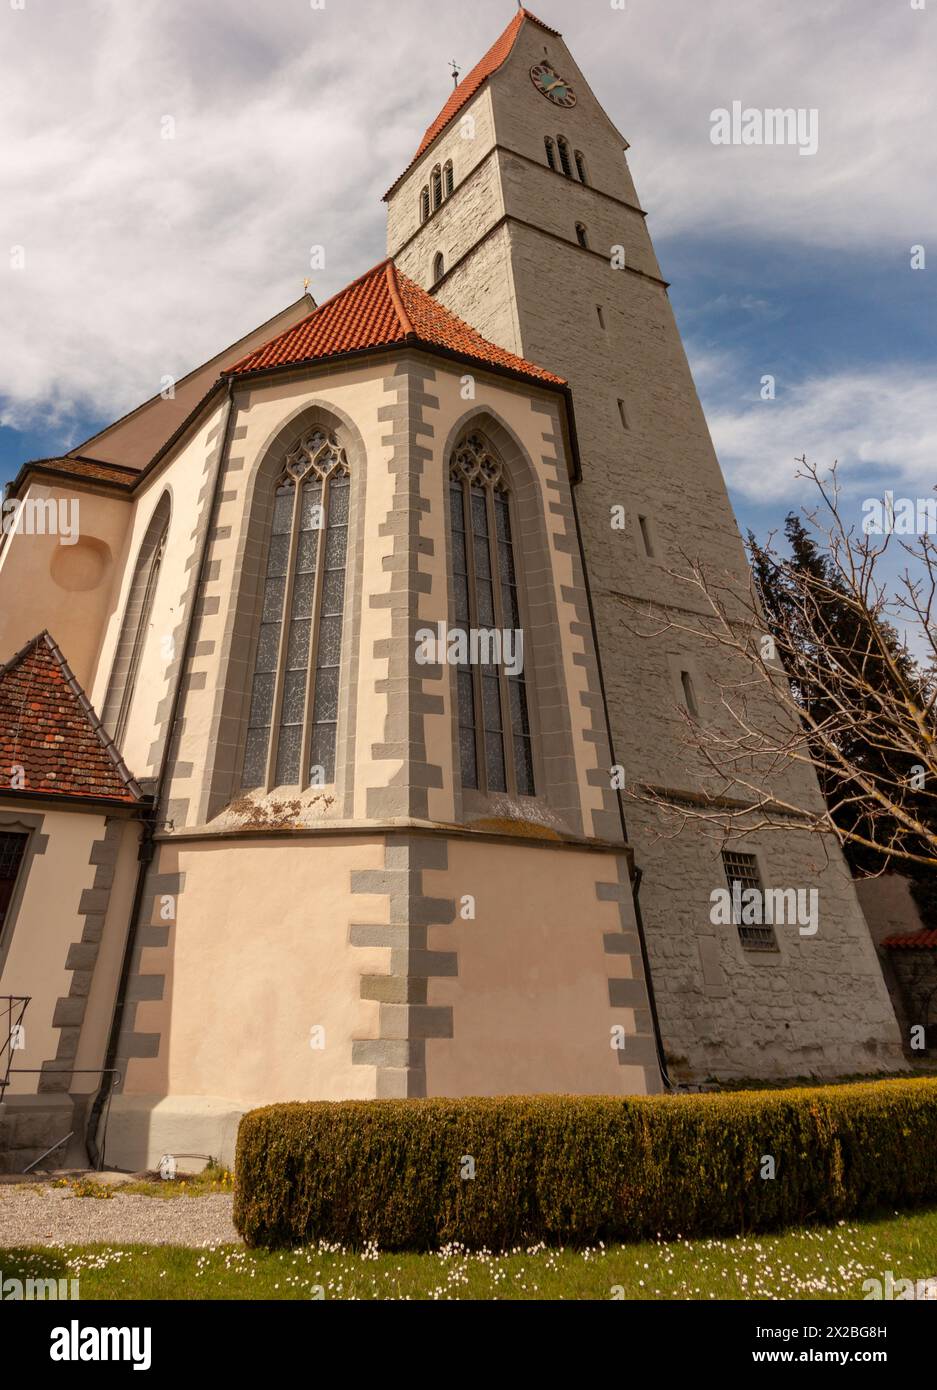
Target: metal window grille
{"points": [[743, 869]]}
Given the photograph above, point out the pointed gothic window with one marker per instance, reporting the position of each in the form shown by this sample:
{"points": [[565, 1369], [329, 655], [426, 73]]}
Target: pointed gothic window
{"points": [[136, 624], [551, 152], [494, 729], [581, 167], [293, 717], [448, 178], [424, 205], [564, 157], [437, 187]]}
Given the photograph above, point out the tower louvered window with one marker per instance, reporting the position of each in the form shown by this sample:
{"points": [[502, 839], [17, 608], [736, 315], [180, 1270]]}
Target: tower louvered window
{"points": [[437, 187], [551, 152], [448, 178], [293, 719], [495, 746], [581, 167], [424, 205], [564, 157]]}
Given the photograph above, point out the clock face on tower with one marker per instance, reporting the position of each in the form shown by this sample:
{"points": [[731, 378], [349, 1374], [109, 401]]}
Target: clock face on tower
{"points": [[550, 85]]}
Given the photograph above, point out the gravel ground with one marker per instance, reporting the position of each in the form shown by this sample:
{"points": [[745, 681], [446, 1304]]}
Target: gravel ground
{"points": [[53, 1216]]}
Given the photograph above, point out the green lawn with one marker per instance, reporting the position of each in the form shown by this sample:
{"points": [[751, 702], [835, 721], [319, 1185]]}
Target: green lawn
{"points": [[819, 1262]]}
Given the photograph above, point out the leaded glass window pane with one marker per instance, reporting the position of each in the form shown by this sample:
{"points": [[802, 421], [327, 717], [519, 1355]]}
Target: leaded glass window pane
{"points": [[296, 670], [328, 656], [495, 746]]}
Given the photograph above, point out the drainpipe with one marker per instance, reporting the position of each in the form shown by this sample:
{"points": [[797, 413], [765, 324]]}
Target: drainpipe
{"points": [[638, 874], [152, 821]]}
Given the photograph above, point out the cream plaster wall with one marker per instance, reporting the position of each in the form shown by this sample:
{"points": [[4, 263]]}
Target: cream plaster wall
{"points": [[45, 926], [64, 588], [184, 479], [258, 955], [530, 1003]]}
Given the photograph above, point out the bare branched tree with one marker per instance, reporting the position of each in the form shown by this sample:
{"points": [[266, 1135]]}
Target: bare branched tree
{"points": [[825, 664]]}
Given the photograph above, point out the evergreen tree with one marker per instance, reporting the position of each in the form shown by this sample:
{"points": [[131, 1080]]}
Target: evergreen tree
{"points": [[849, 671]]}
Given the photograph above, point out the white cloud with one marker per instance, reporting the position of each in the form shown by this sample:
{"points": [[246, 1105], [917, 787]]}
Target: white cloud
{"points": [[881, 426], [145, 256], [867, 68]]}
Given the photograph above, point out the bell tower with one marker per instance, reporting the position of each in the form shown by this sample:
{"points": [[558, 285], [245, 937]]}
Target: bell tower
{"points": [[520, 215]]}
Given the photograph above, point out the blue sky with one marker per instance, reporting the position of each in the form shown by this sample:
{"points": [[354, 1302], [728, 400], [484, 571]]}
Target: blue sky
{"points": [[144, 256]]}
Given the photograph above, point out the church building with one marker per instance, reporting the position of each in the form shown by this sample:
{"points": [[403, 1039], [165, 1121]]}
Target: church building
{"points": [[313, 734]]}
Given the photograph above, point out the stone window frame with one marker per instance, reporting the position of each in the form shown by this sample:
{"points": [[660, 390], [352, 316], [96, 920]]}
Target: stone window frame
{"points": [[582, 236], [16, 822], [566, 163], [425, 209], [448, 179], [555, 777], [582, 169], [775, 957], [439, 268], [679, 665], [549, 145], [436, 184], [131, 639], [227, 747]]}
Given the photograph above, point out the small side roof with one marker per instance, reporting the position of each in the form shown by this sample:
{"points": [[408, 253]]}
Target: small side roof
{"points": [[49, 729], [925, 940]]}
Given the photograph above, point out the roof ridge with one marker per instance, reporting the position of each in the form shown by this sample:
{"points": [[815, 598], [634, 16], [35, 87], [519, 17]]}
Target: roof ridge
{"points": [[352, 284], [317, 312], [397, 298]]}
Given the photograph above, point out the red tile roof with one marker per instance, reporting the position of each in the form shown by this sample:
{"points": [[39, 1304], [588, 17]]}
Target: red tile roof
{"points": [[382, 309], [497, 54], [925, 940], [78, 467], [48, 727]]}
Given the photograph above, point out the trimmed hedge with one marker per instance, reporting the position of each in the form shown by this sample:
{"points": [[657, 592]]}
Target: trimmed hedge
{"points": [[575, 1170]]}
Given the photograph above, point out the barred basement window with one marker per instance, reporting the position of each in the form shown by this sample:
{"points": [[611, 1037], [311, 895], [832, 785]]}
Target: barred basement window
{"points": [[743, 870], [494, 729], [294, 700], [12, 847], [564, 157], [551, 152], [448, 178]]}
